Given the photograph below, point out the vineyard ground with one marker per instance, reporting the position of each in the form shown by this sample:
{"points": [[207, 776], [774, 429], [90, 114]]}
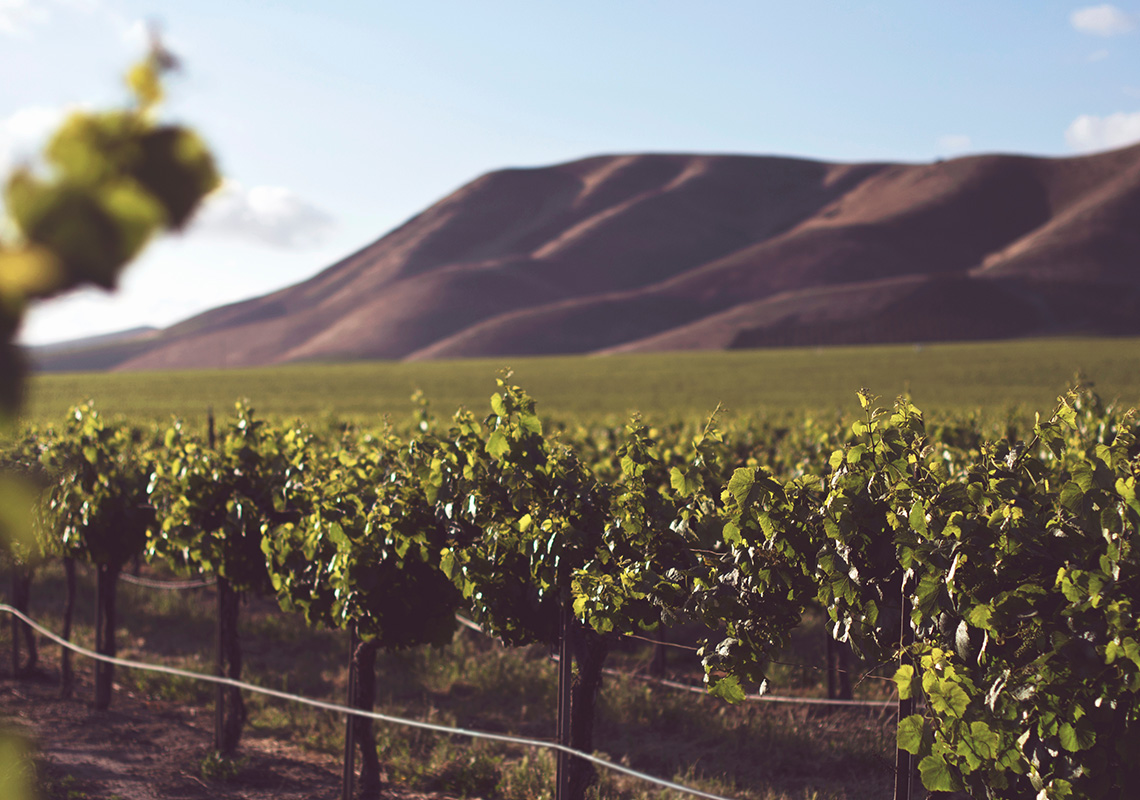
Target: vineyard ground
{"points": [[153, 742], [143, 749], [993, 377]]}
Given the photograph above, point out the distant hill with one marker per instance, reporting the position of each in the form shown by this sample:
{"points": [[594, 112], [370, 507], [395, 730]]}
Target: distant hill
{"points": [[666, 252]]}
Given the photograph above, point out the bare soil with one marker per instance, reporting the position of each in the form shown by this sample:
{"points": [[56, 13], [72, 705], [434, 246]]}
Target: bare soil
{"points": [[144, 749]]}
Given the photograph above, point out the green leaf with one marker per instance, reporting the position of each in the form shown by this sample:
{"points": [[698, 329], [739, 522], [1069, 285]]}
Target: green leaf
{"points": [[1059, 789], [984, 741], [935, 773], [1127, 489], [740, 485], [918, 518], [728, 688], [447, 564], [1071, 495], [497, 445], [497, 405], [683, 483], [337, 535], [731, 534], [911, 731], [905, 681], [1075, 738], [530, 423], [946, 697], [981, 616], [1082, 475]]}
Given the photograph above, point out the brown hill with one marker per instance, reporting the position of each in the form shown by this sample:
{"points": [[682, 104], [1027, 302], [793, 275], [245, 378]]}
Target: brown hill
{"points": [[661, 252]]}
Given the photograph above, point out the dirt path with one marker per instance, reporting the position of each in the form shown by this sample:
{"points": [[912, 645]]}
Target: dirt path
{"points": [[144, 749]]}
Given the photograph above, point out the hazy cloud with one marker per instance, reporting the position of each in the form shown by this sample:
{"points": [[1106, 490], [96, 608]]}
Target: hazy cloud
{"points": [[1088, 133], [271, 215], [135, 33], [1103, 20], [954, 143], [23, 134], [17, 15], [1098, 55]]}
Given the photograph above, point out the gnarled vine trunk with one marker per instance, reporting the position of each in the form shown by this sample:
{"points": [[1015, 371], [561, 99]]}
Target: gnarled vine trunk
{"points": [[106, 581], [364, 661], [228, 608], [590, 651]]}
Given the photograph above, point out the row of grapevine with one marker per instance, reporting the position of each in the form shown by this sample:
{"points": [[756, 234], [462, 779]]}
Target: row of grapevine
{"points": [[998, 575]]}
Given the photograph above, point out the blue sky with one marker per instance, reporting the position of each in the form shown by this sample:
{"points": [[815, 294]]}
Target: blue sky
{"points": [[336, 121]]}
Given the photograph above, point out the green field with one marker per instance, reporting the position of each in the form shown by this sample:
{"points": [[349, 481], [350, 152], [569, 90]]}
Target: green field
{"points": [[992, 377]]}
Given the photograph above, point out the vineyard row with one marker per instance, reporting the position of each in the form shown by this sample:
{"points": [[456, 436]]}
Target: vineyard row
{"points": [[997, 574]]}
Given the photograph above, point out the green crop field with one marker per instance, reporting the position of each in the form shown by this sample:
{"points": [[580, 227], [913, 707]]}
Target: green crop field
{"points": [[992, 377]]}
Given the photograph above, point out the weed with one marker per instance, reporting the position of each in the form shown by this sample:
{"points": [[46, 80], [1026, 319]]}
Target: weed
{"points": [[527, 778], [216, 767]]}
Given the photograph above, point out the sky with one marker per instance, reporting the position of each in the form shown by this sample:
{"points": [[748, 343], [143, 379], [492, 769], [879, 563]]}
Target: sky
{"points": [[334, 122]]}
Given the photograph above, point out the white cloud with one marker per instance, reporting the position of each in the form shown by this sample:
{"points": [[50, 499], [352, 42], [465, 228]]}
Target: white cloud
{"points": [[1098, 55], [1088, 133], [271, 215], [1102, 20], [136, 33], [17, 15], [954, 143], [23, 134]]}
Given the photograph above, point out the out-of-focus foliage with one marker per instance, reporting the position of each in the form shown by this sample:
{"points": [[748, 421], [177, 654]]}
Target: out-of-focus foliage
{"points": [[113, 180]]}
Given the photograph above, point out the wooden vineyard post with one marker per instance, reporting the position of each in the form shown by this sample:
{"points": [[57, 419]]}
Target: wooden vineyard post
{"points": [[350, 720], [904, 761], [220, 671], [565, 679]]}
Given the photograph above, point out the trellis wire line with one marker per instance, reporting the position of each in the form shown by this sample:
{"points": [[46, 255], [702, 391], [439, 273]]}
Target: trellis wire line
{"points": [[761, 698], [469, 624], [661, 643], [170, 585], [764, 698], [339, 709], [771, 661], [782, 663], [474, 626]]}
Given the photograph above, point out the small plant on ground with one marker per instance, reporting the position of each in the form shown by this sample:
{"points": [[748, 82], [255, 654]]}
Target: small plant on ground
{"points": [[217, 767]]}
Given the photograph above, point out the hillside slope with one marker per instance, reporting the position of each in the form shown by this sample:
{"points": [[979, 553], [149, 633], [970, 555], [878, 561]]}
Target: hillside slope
{"points": [[659, 252]]}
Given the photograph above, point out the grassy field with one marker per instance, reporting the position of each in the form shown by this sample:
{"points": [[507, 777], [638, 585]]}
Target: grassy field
{"points": [[991, 377]]}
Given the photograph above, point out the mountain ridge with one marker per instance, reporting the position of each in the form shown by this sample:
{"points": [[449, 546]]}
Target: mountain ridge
{"points": [[638, 252]]}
